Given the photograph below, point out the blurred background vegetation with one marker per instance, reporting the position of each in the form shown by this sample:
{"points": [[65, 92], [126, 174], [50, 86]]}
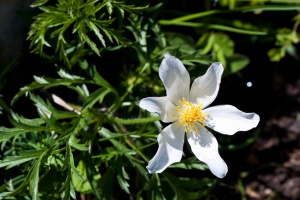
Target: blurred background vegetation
{"points": [[72, 73]]}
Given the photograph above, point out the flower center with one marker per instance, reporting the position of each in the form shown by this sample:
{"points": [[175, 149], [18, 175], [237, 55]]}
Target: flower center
{"points": [[190, 114]]}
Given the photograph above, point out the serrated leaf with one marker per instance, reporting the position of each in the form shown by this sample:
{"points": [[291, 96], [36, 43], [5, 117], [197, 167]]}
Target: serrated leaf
{"points": [[72, 191], [40, 80], [156, 188], [51, 121], [70, 162], [122, 176], [63, 74], [7, 133], [93, 46], [31, 179], [94, 28], [98, 7], [80, 185], [92, 174], [76, 126], [52, 83], [95, 97], [12, 161], [48, 112], [79, 144], [28, 126], [34, 181], [37, 3], [66, 187]]}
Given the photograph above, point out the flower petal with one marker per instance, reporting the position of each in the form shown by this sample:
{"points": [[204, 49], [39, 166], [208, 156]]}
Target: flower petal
{"points": [[206, 87], [162, 106], [170, 142], [205, 147], [175, 78], [228, 119]]}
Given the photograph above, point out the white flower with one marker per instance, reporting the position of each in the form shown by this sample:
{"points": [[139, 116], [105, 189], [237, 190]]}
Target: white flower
{"points": [[186, 108]]}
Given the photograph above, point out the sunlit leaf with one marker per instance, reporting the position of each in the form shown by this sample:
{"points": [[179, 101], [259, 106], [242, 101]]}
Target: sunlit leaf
{"points": [[34, 181], [276, 54], [79, 144]]}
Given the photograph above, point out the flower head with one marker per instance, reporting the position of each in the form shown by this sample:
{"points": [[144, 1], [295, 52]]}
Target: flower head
{"points": [[187, 109]]}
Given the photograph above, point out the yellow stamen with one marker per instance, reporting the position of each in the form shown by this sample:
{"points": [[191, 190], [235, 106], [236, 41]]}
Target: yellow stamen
{"points": [[190, 114]]}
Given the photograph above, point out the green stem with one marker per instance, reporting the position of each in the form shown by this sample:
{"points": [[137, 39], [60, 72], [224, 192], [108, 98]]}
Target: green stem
{"points": [[135, 121], [211, 26], [137, 150], [240, 9]]}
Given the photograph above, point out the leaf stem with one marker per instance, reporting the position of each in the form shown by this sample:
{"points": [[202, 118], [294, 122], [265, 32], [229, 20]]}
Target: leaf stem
{"points": [[135, 121]]}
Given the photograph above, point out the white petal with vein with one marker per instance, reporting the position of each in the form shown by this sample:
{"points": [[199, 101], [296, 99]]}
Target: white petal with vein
{"points": [[175, 78], [170, 142], [206, 87], [205, 147], [162, 106], [228, 119]]}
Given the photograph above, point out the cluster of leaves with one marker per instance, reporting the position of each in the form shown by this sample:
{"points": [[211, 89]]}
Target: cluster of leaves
{"points": [[84, 147], [66, 27], [286, 39], [73, 150]]}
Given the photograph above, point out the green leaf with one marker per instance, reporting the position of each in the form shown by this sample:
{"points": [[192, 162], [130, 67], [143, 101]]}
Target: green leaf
{"points": [[28, 125], [12, 161], [83, 186], [122, 176], [31, 179], [120, 147], [24, 156], [63, 74], [34, 181], [37, 3], [235, 63], [94, 28], [206, 42], [189, 164], [86, 39], [292, 51], [95, 97], [156, 188], [70, 162], [42, 82], [92, 174], [184, 43], [223, 43], [180, 187], [66, 187], [79, 144], [7, 133], [276, 54]]}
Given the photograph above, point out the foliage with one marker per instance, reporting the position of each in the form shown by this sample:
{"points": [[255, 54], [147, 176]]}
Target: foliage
{"points": [[57, 25], [99, 143]]}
